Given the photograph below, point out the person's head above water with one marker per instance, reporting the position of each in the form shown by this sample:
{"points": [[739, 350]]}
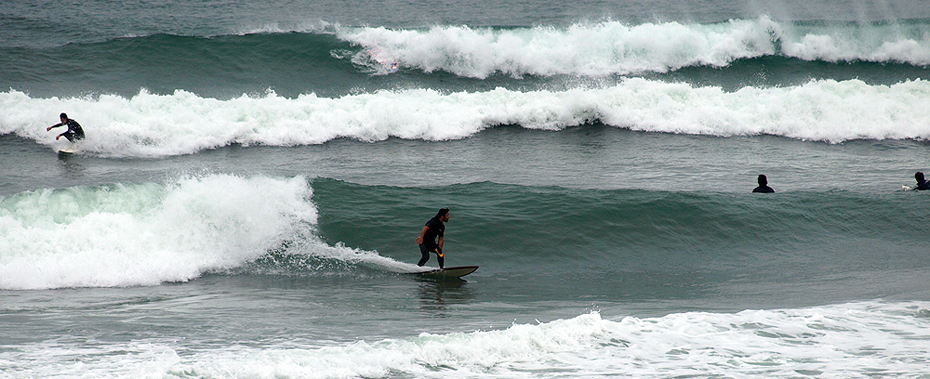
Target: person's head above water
{"points": [[763, 180], [443, 214], [919, 176]]}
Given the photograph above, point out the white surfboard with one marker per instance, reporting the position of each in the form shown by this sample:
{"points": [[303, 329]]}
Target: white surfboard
{"points": [[68, 150]]}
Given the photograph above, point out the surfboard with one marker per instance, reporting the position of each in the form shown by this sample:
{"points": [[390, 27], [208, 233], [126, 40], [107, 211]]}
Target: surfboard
{"points": [[68, 150], [449, 272]]}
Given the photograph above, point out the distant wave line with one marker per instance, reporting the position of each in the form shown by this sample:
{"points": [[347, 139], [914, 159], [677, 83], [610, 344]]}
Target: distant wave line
{"points": [[149, 125]]}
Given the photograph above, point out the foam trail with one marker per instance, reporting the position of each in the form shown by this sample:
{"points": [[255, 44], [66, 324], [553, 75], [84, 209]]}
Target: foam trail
{"points": [[612, 47], [146, 234]]}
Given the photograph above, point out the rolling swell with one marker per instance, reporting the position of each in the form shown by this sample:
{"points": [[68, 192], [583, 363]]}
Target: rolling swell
{"points": [[735, 54], [778, 70], [230, 65], [515, 229], [554, 241]]}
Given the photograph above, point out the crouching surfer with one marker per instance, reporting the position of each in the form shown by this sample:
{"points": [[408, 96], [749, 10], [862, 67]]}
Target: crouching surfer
{"points": [[74, 133], [427, 240]]}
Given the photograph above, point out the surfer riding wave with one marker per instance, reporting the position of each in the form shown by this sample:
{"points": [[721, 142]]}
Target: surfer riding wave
{"points": [[74, 133], [434, 228]]}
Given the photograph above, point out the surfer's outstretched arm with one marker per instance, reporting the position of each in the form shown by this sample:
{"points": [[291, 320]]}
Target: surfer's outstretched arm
{"points": [[48, 129]]}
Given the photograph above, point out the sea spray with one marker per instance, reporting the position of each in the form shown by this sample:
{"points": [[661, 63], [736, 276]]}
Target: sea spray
{"points": [[612, 47], [149, 125], [146, 234]]}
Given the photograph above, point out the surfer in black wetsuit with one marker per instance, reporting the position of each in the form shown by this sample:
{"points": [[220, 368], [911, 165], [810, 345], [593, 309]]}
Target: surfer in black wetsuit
{"points": [[922, 184], [435, 227], [74, 132], [763, 185]]}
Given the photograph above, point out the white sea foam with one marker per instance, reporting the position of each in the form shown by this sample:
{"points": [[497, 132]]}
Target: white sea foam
{"points": [[124, 235], [838, 341], [149, 125], [612, 47], [147, 234], [304, 26]]}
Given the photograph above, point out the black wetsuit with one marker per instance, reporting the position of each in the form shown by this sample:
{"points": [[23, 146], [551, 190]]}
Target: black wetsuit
{"points": [[74, 132], [429, 245], [763, 189], [923, 186]]}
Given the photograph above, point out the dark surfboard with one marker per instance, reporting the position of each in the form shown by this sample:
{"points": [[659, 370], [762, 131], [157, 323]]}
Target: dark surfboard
{"points": [[449, 272]]}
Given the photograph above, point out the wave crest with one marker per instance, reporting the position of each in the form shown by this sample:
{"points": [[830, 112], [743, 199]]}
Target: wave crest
{"points": [[611, 47], [148, 125], [146, 234]]}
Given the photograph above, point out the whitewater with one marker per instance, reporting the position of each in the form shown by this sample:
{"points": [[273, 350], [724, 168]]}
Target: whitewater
{"points": [[255, 174], [611, 47], [830, 342], [150, 126]]}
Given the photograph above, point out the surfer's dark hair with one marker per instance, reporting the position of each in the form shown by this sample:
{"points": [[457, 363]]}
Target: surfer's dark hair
{"points": [[763, 180], [919, 176], [63, 115], [442, 212]]}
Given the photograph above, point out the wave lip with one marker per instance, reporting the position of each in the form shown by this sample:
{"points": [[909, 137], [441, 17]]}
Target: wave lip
{"points": [[614, 48], [129, 235], [151, 126]]}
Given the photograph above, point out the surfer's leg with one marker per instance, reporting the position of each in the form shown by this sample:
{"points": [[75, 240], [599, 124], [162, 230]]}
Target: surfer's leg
{"points": [[439, 256], [425, 254]]}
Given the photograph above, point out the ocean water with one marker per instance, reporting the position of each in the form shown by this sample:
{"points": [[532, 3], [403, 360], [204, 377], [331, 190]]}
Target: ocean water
{"points": [[255, 173]]}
